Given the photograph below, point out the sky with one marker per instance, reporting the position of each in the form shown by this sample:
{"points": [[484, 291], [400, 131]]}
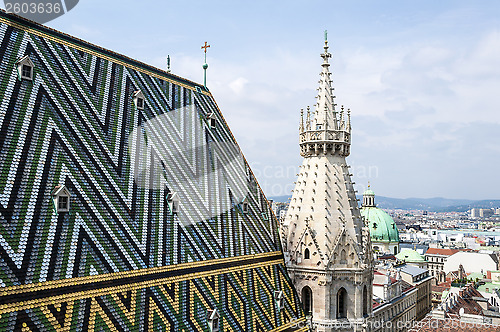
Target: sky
{"points": [[422, 79]]}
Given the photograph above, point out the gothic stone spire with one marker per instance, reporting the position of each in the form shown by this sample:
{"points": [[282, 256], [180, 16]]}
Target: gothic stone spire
{"points": [[328, 248]]}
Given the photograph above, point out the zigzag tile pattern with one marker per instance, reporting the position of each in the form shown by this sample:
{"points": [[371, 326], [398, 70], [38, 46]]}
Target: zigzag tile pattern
{"points": [[105, 264]]}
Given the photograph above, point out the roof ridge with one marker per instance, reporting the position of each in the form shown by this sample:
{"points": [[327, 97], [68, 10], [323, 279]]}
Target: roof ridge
{"points": [[64, 38]]}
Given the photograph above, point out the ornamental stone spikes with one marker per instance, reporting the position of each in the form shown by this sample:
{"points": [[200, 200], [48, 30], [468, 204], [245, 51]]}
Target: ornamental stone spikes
{"points": [[301, 127], [348, 125], [308, 119]]}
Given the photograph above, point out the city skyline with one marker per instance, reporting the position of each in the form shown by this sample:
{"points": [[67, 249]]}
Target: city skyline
{"points": [[420, 80]]}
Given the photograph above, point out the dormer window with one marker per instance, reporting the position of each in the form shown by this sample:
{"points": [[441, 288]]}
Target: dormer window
{"points": [[213, 320], [60, 197], [138, 97], [25, 68], [279, 300], [173, 202], [244, 206], [212, 120]]}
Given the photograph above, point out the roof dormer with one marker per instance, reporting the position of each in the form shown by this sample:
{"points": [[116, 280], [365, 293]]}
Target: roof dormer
{"points": [[213, 318], [279, 299], [245, 206], [25, 68], [61, 198], [173, 202], [212, 120], [138, 97]]}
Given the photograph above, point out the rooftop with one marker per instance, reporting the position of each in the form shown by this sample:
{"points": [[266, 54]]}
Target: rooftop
{"points": [[412, 270], [441, 251], [409, 255]]}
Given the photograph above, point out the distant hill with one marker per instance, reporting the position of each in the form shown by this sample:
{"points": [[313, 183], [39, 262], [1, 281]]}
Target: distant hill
{"points": [[484, 204], [430, 204], [437, 204]]}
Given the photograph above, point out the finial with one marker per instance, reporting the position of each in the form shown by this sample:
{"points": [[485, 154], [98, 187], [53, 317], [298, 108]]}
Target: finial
{"points": [[308, 118], [348, 119], [168, 63], [205, 65], [342, 107], [301, 120], [326, 55], [342, 119], [368, 184]]}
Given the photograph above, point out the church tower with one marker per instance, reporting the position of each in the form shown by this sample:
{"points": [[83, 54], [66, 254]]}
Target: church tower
{"points": [[327, 244]]}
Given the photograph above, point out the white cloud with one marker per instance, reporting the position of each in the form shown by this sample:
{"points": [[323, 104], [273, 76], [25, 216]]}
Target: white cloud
{"points": [[414, 109], [238, 85]]}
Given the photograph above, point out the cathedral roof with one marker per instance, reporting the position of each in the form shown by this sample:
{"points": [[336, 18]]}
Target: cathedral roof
{"points": [[163, 225], [382, 226]]}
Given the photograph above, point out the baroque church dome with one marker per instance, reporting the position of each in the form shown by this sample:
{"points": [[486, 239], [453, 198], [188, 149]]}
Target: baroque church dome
{"points": [[382, 226]]}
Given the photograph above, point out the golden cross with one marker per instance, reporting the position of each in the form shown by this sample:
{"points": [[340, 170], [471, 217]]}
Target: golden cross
{"points": [[205, 47]]}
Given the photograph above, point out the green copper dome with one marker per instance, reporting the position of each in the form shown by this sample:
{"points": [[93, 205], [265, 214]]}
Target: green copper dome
{"points": [[409, 255], [382, 226]]}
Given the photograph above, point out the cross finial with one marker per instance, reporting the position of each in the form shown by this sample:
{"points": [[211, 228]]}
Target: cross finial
{"points": [[205, 65], [368, 184], [326, 36], [205, 47], [168, 64]]}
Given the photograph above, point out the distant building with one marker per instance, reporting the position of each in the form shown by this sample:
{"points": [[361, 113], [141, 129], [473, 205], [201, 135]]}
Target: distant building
{"points": [[422, 281], [462, 309], [472, 262], [482, 213], [486, 213], [436, 257], [383, 230], [394, 300]]}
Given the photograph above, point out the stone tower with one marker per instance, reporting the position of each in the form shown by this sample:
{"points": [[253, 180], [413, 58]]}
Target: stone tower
{"points": [[327, 244]]}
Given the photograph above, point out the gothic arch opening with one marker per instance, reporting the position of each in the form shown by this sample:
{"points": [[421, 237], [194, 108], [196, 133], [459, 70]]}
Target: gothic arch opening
{"points": [[343, 257], [307, 300], [307, 254], [342, 303], [365, 301]]}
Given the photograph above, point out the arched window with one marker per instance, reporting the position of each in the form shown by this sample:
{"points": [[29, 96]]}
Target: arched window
{"points": [[365, 301], [307, 300], [341, 303], [343, 257], [395, 250], [307, 254]]}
